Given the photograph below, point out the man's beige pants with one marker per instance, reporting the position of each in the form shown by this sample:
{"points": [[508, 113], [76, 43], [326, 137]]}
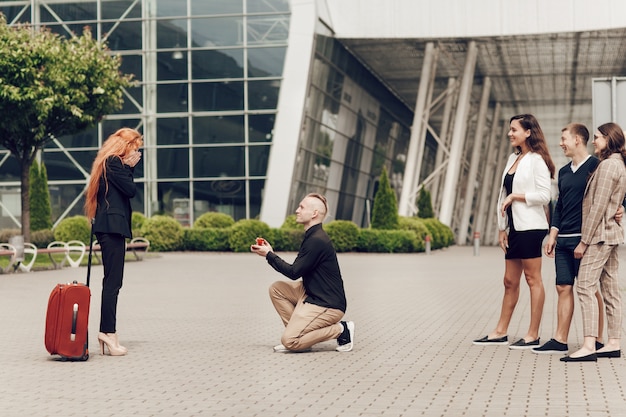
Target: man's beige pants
{"points": [[305, 324]]}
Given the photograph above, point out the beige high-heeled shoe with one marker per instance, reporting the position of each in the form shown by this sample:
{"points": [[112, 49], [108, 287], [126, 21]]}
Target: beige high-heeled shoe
{"points": [[111, 343], [117, 342]]}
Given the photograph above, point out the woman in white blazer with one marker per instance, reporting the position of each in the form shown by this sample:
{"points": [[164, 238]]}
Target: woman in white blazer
{"points": [[523, 224]]}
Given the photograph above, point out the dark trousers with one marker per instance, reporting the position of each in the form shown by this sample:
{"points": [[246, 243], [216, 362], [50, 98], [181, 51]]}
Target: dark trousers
{"points": [[113, 252]]}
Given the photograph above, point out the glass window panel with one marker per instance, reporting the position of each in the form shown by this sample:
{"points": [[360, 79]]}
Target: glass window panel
{"points": [[171, 65], [255, 6], [173, 131], [218, 129], [217, 64], [111, 126], [63, 196], [261, 127], [266, 62], [259, 156], [16, 14], [172, 196], [219, 162], [172, 98], [9, 169], [60, 167], [218, 96], [85, 139], [125, 35], [75, 29], [224, 196], [256, 197], [268, 29], [172, 33], [263, 94], [69, 12], [217, 31], [200, 7], [115, 9], [173, 163], [171, 8], [136, 203], [129, 106], [131, 64]]}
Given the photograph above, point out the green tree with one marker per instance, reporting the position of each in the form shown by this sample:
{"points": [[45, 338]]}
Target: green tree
{"points": [[385, 211], [424, 204], [39, 195], [50, 87]]}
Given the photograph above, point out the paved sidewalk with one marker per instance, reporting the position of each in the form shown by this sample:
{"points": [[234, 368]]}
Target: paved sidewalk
{"points": [[200, 329]]}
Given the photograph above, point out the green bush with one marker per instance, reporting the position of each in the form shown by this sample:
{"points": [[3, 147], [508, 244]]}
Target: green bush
{"points": [[136, 222], [385, 210], [73, 228], [286, 239], [244, 232], [41, 238], [39, 197], [206, 239], [416, 225], [441, 235], [290, 223], [214, 219], [387, 241], [424, 204], [343, 233], [163, 232]]}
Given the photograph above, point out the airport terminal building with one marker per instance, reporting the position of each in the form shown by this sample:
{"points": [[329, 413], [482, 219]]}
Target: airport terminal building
{"points": [[247, 105]]}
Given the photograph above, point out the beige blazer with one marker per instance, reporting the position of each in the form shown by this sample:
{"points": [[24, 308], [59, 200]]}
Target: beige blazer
{"points": [[603, 195]]}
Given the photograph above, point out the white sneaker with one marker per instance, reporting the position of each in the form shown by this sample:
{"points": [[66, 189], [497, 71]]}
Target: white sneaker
{"points": [[283, 349], [346, 344]]}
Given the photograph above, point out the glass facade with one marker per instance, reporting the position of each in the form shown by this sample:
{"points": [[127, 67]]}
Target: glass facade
{"points": [[353, 128], [208, 74]]}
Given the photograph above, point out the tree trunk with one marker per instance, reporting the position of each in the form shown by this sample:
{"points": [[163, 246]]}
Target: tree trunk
{"points": [[25, 192]]}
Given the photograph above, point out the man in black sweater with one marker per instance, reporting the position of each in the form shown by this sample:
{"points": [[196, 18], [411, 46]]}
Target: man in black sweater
{"points": [[311, 309], [565, 232]]}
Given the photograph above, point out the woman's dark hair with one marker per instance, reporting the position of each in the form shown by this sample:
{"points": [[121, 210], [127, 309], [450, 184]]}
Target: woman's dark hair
{"points": [[536, 141], [615, 140]]}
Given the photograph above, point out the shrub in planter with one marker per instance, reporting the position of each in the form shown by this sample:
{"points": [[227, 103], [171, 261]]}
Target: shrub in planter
{"points": [[73, 228], [41, 238], [286, 239], [244, 232], [387, 241], [417, 226], [163, 232], [434, 230], [385, 210], [214, 219], [343, 233], [206, 239]]}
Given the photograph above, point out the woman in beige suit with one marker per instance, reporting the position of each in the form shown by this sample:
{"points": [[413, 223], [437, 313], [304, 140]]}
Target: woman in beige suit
{"points": [[601, 236]]}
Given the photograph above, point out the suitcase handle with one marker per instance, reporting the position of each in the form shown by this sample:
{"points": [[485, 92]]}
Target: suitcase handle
{"points": [[74, 319]]}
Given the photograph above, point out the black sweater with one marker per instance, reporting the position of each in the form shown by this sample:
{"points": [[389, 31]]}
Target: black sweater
{"points": [[317, 264], [568, 212]]}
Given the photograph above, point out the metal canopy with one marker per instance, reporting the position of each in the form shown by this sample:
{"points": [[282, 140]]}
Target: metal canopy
{"points": [[548, 75]]}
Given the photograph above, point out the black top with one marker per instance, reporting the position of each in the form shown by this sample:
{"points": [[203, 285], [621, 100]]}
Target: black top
{"points": [[114, 213], [317, 264], [508, 186], [568, 212]]}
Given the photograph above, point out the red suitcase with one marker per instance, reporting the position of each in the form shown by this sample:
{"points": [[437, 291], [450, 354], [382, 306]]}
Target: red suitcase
{"points": [[67, 318]]}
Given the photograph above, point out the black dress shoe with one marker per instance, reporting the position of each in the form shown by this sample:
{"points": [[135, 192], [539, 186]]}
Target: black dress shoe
{"points": [[609, 354], [592, 357]]}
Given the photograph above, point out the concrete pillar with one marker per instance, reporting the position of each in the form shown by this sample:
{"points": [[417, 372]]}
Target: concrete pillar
{"points": [[458, 136], [417, 139], [475, 161], [151, 197], [444, 136]]}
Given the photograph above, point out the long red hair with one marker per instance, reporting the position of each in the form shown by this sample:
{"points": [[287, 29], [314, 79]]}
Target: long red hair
{"points": [[120, 144]]}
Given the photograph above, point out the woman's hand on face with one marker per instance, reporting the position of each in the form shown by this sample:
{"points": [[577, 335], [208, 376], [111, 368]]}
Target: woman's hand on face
{"points": [[132, 159]]}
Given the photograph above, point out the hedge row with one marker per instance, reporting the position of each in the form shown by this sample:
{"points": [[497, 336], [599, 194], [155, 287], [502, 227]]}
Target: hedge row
{"points": [[219, 232]]}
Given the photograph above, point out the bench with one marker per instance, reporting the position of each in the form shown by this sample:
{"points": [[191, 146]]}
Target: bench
{"points": [[72, 253]]}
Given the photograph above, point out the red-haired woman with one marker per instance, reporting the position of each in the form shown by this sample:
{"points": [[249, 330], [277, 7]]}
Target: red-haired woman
{"points": [[523, 224], [107, 202]]}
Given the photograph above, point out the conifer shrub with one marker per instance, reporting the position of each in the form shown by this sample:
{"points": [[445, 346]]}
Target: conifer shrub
{"points": [[385, 210]]}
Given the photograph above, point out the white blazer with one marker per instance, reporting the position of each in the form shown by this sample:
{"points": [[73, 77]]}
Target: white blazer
{"points": [[532, 178]]}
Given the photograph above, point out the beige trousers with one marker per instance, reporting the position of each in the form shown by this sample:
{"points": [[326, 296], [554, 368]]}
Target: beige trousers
{"points": [[600, 264], [305, 324]]}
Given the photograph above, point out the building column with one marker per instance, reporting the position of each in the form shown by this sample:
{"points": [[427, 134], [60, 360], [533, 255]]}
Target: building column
{"points": [[291, 108], [458, 136], [475, 161], [151, 197], [406, 206], [442, 148], [486, 188]]}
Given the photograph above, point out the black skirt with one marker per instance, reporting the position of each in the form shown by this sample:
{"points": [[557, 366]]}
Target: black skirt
{"points": [[526, 244]]}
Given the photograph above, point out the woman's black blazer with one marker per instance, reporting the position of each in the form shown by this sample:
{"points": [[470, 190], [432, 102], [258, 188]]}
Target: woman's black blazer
{"points": [[114, 212]]}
